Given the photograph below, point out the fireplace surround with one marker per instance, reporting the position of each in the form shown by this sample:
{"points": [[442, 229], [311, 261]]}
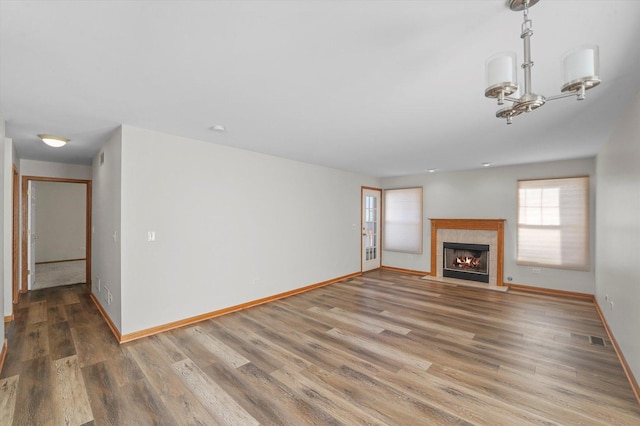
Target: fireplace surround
{"points": [[473, 231]]}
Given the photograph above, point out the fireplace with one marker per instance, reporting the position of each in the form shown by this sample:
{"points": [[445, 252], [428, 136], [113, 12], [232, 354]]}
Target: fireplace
{"points": [[466, 261], [472, 231]]}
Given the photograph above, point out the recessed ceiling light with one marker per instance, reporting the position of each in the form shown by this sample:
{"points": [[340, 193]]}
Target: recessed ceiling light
{"points": [[486, 164], [218, 128], [54, 141], [431, 170]]}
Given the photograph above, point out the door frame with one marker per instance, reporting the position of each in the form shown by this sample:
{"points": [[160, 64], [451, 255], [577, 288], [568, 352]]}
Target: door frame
{"points": [[15, 234], [25, 242], [362, 189]]}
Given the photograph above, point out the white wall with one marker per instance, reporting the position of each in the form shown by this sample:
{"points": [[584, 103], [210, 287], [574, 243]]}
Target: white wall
{"points": [[618, 234], [9, 156], [491, 193], [106, 250], [4, 234], [55, 170], [232, 226], [60, 221]]}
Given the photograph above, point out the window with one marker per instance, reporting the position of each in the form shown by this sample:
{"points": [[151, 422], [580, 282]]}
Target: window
{"points": [[403, 220], [553, 223]]}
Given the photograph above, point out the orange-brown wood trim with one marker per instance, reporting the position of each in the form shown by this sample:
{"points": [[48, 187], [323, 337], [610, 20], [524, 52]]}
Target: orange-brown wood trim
{"points": [[60, 261], [625, 366], [550, 291], [110, 323], [15, 236], [3, 354], [87, 249], [472, 224], [9, 318], [53, 179], [405, 271], [198, 318], [24, 254]]}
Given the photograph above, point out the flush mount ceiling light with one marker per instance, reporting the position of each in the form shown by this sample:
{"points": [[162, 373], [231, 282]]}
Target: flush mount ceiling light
{"points": [[54, 141], [581, 71]]}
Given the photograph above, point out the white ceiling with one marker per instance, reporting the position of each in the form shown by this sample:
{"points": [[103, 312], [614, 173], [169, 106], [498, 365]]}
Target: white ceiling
{"points": [[384, 88]]}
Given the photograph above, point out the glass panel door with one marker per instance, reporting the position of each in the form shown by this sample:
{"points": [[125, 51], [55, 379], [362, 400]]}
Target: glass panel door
{"points": [[371, 229]]}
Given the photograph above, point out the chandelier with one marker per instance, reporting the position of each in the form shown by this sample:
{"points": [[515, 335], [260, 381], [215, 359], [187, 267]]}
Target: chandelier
{"points": [[580, 73]]}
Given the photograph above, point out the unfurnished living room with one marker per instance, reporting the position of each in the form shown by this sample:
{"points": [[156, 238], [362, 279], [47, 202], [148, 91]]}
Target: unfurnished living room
{"points": [[296, 212]]}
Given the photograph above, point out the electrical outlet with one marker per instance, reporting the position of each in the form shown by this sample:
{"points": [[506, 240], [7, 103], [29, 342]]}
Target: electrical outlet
{"points": [[105, 293], [611, 304], [109, 298], [99, 284], [535, 270]]}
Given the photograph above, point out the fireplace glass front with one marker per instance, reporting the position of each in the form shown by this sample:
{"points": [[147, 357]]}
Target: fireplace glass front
{"points": [[466, 261]]}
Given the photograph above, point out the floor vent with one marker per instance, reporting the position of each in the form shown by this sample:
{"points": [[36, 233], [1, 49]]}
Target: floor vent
{"points": [[596, 340]]}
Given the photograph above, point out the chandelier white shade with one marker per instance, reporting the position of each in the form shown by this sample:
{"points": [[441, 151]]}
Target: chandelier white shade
{"points": [[580, 67], [501, 74], [580, 73]]}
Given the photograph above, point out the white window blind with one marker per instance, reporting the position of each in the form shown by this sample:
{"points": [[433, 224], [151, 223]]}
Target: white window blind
{"points": [[402, 230], [553, 223]]}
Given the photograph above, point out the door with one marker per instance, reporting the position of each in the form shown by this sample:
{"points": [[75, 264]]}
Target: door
{"points": [[371, 213], [31, 231]]}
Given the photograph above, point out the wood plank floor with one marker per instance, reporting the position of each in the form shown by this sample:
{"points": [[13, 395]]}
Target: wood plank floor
{"points": [[384, 348]]}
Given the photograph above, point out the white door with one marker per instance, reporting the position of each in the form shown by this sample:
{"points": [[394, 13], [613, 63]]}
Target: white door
{"points": [[371, 213], [31, 229]]}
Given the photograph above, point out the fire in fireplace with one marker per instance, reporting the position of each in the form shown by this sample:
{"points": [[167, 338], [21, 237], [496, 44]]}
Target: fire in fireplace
{"points": [[466, 261]]}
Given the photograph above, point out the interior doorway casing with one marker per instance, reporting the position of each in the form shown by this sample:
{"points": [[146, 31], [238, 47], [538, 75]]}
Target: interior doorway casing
{"points": [[25, 231], [15, 235]]}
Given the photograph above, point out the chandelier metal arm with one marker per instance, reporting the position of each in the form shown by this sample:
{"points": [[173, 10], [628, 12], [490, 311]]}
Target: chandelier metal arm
{"points": [[578, 92]]}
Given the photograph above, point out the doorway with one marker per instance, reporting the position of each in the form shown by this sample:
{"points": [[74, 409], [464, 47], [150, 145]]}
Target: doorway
{"points": [[29, 235], [371, 215], [15, 236]]}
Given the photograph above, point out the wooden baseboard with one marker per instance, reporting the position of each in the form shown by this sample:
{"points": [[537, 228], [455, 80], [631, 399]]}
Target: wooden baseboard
{"points": [[106, 317], [3, 354], [9, 318], [625, 366], [549, 291], [405, 271], [198, 318]]}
